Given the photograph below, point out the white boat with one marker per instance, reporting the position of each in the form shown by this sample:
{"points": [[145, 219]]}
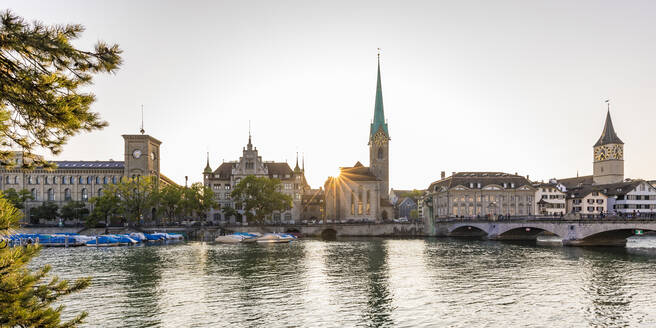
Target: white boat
{"points": [[230, 239], [275, 238]]}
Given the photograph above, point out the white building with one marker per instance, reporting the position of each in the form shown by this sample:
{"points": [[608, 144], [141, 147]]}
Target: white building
{"points": [[550, 199]]}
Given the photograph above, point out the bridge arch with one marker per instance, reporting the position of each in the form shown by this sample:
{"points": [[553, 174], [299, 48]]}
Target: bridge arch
{"points": [[528, 232], [329, 234], [468, 230], [608, 237]]}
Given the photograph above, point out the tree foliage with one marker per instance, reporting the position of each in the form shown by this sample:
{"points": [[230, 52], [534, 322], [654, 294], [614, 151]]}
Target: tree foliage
{"points": [[42, 104], [47, 211], [17, 198], [137, 196], [259, 197], [26, 300], [104, 207], [41, 80], [198, 200]]}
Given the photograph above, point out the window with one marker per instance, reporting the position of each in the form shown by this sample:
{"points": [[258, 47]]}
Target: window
{"points": [[33, 194], [67, 194], [46, 180], [16, 180], [7, 180], [104, 180], [100, 192], [113, 180], [368, 202], [71, 180], [84, 195], [288, 217], [380, 153], [80, 180], [37, 179], [51, 195], [29, 179]]}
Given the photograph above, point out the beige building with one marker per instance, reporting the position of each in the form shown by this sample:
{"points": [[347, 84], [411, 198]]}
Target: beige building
{"points": [[228, 174], [479, 194], [586, 201], [551, 199], [81, 180], [361, 192]]}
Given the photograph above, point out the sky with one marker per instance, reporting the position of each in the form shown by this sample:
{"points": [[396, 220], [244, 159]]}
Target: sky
{"points": [[511, 86]]}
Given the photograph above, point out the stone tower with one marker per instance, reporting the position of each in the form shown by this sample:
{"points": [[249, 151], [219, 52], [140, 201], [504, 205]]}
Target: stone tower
{"points": [[608, 156], [379, 141], [141, 155]]}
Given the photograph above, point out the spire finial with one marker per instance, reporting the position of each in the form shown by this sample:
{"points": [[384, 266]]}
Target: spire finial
{"points": [[250, 145], [608, 104], [303, 168], [142, 127]]}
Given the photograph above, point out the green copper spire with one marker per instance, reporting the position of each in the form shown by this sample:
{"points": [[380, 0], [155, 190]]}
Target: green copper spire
{"points": [[379, 113], [208, 169]]}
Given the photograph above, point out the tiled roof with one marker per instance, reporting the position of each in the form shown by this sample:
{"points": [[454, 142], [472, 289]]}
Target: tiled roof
{"points": [[90, 164], [278, 168], [224, 170], [357, 173], [575, 182], [484, 178]]}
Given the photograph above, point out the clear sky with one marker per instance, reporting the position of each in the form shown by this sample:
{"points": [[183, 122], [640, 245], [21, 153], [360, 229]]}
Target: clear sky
{"points": [[513, 86]]}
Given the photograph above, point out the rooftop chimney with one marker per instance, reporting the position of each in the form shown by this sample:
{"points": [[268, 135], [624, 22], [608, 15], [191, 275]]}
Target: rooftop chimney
{"points": [[453, 173], [443, 175]]}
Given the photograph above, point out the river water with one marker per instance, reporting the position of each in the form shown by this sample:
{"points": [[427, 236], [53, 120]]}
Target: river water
{"points": [[363, 283]]}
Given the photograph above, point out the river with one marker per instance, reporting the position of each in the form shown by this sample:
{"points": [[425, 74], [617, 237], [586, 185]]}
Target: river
{"points": [[363, 283]]}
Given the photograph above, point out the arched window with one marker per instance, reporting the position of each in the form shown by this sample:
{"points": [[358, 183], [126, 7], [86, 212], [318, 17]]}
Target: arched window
{"points": [[352, 204], [64, 180], [7, 180], [99, 192], [80, 180], [67, 194], [89, 179], [37, 179], [368, 202], [288, 217], [113, 180], [97, 180], [54, 180], [71, 180], [33, 194], [46, 180], [104, 180], [51, 195], [84, 195], [16, 180], [29, 179], [380, 153]]}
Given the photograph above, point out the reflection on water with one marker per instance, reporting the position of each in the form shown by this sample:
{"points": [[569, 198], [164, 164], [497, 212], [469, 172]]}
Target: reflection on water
{"points": [[363, 283]]}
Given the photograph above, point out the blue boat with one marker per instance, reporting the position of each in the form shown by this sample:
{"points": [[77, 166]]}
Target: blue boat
{"points": [[103, 241]]}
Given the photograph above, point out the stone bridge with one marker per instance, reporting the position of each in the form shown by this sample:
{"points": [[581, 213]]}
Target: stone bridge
{"points": [[338, 230], [611, 231]]}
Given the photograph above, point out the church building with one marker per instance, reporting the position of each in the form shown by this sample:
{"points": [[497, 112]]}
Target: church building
{"points": [[360, 192]]}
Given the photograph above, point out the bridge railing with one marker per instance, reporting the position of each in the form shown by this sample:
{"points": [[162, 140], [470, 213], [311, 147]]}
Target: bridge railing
{"points": [[581, 218]]}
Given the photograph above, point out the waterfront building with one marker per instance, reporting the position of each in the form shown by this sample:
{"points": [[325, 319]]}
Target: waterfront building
{"points": [[405, 207], [627, 197], [477, 194], [83, 179], [314, 208], [228, 174], [550, 199], [586, 201], [361, 192]]}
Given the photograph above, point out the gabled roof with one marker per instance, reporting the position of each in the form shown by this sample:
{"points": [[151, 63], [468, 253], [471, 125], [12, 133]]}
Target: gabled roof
{"points": [[278, 168], [224, 171], [576, 182], [608, 135]]}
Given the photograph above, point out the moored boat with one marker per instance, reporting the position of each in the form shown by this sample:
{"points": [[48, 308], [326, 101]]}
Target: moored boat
{"points": [[103, 241], [275, 238]]}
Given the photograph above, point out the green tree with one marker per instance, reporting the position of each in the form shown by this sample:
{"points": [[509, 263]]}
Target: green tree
{"points": [[26, 300], [170, 202], [74, 210], [44, 100], [198, 200], [104, 207], [17, 198], [46, 211], [259, 197], [137, 196]]}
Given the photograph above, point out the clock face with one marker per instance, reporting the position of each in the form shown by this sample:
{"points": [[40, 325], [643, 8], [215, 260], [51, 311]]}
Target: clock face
{"points": [[136, 153], [380, 138]]}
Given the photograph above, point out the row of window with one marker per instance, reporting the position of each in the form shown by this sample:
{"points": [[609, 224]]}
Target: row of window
{"points": [[590, 209], [37, 180], [50, 194], [634, 206], [553, 197], [478, 210]]}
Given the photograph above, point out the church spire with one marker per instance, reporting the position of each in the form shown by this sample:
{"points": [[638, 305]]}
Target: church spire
{"points": [[608, 135], [297, 169], [379, 113], [250, 145], [208, 169]]}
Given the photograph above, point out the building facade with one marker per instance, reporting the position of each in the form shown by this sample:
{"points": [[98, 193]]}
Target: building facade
{"points": [[551, 199], [480, 194], [229, 174], [81, 180], [586, 202], [360, 192]]}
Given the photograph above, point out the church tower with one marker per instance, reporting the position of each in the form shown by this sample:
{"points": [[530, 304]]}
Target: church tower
{"points": [[379, 141], [608, 156]]}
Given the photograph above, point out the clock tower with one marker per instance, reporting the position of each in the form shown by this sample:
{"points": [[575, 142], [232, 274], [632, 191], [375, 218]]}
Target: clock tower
{"points": [[608, 165], [141, 155], [379, 141]]}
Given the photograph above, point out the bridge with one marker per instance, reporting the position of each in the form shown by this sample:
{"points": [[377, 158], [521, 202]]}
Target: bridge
{"points": [[609, 231], [330, 231]]}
